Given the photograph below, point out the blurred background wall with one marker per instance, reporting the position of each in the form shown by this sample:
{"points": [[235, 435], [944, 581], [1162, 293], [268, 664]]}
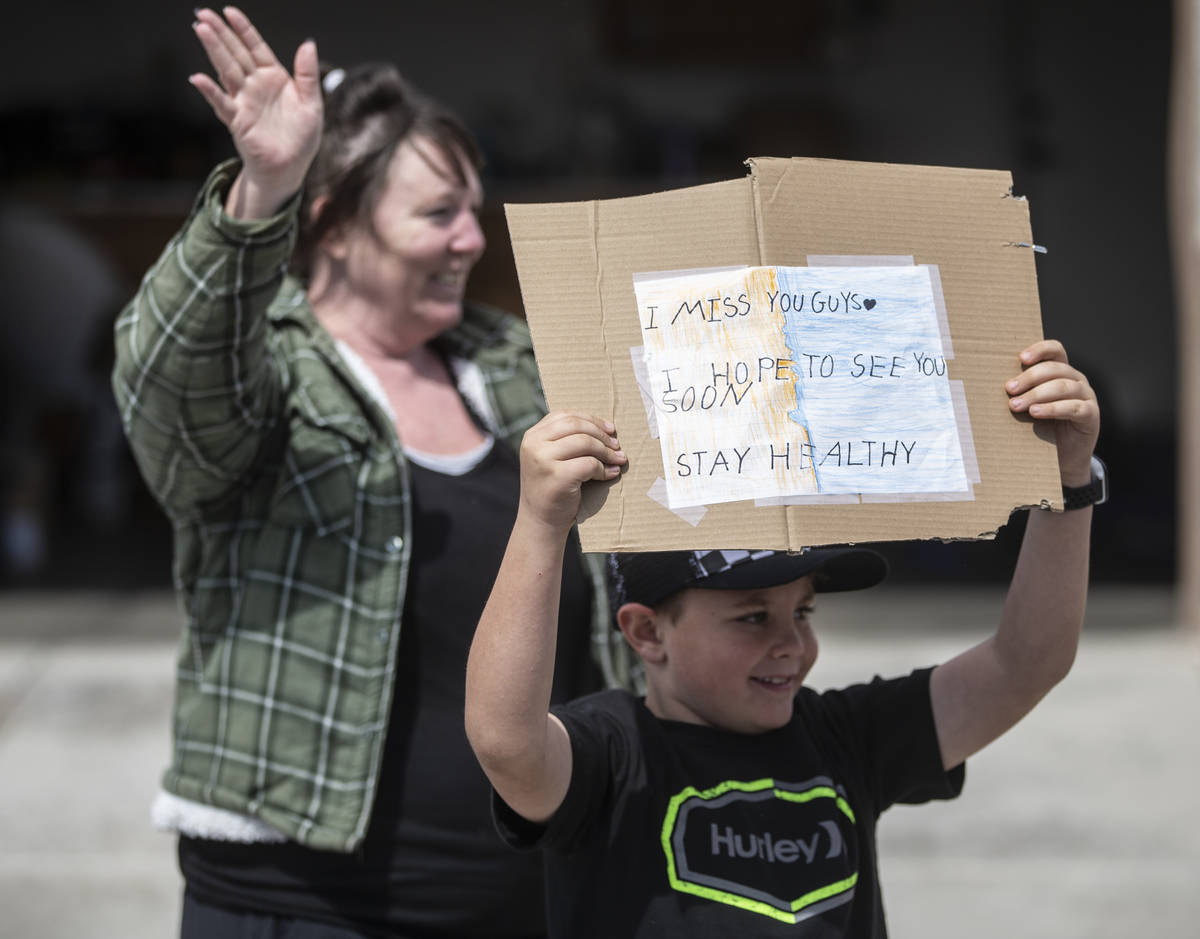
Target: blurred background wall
{"points": [[104, 144]]}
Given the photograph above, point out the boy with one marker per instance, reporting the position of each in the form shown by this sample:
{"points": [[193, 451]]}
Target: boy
{"points": [[732, 801]]}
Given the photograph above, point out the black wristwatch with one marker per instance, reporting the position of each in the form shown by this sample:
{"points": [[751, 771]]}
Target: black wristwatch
{"points": [[1094, 493]]}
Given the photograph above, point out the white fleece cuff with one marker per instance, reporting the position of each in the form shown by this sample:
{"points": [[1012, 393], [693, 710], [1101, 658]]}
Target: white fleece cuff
{"points": [[171, 813]]}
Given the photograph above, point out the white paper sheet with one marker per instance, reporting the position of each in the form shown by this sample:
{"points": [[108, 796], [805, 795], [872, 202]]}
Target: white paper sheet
{"points": [[769, 382]]}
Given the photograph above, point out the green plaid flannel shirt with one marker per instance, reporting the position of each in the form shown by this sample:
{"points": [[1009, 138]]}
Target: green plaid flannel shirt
{"points": [[288, 492]]}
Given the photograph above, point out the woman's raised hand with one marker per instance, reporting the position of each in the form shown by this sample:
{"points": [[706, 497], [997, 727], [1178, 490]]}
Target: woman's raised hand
{"points": [[274, 118]]}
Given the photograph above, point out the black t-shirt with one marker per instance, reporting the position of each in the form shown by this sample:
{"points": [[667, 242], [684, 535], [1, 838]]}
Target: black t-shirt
{"points": [[431, 863], [674, 829]]}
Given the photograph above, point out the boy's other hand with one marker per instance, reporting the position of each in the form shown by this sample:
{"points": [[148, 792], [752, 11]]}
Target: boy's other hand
{"points": [[1050, 389], [559, 454]]}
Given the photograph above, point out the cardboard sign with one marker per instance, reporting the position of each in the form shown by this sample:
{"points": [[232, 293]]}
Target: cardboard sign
{"points": [[812, 355]]}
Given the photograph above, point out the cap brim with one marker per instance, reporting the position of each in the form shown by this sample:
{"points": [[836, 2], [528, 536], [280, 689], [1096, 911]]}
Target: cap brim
{"points": [[832, 569]]}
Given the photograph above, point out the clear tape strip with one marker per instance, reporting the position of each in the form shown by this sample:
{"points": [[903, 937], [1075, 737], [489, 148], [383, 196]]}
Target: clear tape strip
{"points": [[966, 439], [684, 272], [642, 376], [870, 498], [939, 304], [860, 260], [690, 514], [848, 498]]}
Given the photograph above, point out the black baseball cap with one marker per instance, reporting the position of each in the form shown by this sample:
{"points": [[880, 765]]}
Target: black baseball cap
{"points": [[650, 577]]}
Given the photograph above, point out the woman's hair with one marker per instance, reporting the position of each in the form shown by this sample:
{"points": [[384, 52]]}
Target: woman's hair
{"points": [[369, 111]]}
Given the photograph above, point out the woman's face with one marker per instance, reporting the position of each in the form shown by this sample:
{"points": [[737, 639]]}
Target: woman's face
{"points": [[426, 239]]}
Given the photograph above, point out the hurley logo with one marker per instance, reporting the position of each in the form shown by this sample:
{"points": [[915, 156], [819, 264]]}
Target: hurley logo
{"points": [[783, 850], [774, 849]]}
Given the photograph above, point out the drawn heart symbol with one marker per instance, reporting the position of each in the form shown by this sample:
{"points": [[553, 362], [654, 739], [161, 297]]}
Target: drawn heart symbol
{"points": [[869, 304]]}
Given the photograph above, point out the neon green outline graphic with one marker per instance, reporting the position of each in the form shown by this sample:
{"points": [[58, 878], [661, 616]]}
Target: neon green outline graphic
{"points": [[732, 899]]}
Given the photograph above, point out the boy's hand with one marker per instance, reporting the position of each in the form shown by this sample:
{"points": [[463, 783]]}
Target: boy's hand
{"points": [[1050, 389], [559, 454]]}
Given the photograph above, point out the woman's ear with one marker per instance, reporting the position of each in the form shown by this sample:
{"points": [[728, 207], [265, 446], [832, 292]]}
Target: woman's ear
{"points": [[642, 628], [316, 208], [333, 242]]}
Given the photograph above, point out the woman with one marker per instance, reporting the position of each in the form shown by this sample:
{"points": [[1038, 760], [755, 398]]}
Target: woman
{"points": [[336, 453]]}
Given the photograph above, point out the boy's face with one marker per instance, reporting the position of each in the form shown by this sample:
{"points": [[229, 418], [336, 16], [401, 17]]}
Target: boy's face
{"points": [[734, 659]]}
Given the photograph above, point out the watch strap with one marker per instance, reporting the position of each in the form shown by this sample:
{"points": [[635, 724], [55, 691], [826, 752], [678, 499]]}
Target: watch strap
{"points": [[1094, 493]]}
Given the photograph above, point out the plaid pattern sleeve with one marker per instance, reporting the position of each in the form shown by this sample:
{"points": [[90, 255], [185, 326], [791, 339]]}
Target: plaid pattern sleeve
{"points": [[194, 383]]}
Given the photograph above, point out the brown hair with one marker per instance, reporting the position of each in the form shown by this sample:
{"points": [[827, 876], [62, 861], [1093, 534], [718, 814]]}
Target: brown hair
{"points": [[367, 116]]}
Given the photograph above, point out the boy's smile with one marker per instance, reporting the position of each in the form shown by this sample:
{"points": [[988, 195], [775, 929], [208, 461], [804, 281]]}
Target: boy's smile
{"points": [[733, 659]]}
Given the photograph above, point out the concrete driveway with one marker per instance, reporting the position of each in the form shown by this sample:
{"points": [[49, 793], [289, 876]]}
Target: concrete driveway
{"points": [[1082, 822]]}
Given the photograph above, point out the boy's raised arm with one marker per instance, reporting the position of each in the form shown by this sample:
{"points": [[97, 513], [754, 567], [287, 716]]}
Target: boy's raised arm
{"points": [[984, 691], [523, 749]]}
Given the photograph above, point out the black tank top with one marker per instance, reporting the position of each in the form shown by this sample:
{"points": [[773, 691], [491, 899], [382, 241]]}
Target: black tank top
{"points": [[431, 864]]}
